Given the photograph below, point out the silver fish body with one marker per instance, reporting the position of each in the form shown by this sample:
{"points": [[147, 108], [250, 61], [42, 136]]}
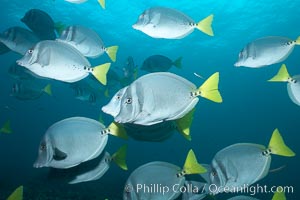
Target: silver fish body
{"points": [[265, 51], [147, 100], [76, 1], [161, 22], [84, 40], [71, 141], [56, 60], [238, 165], [96, 173], [293, 89]]}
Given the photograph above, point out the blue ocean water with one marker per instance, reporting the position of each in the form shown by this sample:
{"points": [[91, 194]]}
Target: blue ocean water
{"points": [[251, 110]]}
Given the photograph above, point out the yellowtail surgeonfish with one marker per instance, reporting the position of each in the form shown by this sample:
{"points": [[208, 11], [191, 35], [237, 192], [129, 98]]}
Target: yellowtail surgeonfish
{"points": [[168, 23], [87, 41], [158, 97], [165, 178], [266, 51], [243, 164], [74, 140], [60, 61], [293, 83]]}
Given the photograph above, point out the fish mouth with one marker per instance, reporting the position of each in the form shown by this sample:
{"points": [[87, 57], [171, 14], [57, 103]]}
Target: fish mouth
{"points": [[237, 64], [19, 62], [135, 26], [118, 121], [37, 165], [106, 110], [121, 120]]}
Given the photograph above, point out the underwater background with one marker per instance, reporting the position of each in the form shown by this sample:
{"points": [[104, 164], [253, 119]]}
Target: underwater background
{"points": [[252, 107]]}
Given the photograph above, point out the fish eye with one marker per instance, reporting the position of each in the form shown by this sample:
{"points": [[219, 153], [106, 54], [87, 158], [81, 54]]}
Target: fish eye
{"points": [[128, 101], [214, 173], [43, 147], [118, 97], [142, 16], [30, 51], [240, 54]]}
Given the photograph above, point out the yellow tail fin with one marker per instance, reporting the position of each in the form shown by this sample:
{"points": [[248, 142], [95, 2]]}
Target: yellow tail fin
{"points": [[100, 72], [120, 157], [191, 165], [177, 62], [102, 3], [298, 41], [112, 52], [48, 90], [118, 130], [279, 196], [184, 124], [278, 147], [209, 89], [17, 194], [282, 75], [6, 128], [205, 25]]}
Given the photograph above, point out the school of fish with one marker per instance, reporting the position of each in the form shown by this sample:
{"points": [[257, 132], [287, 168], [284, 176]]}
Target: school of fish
{"points": [[151, 107]]}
